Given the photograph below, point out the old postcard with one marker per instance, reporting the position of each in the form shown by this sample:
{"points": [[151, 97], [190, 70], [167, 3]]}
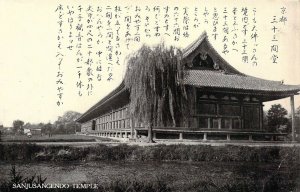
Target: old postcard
{"points": [[150, 96]]}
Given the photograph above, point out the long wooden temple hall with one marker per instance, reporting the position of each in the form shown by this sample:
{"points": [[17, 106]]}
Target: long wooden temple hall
{"points": [[225, 104]]}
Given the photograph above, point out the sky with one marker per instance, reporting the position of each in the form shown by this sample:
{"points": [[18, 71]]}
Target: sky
{"points": [[28, 45]]}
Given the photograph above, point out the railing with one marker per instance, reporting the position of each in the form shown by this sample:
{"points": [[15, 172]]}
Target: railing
{"points": [[184, 132], [116, 133]]}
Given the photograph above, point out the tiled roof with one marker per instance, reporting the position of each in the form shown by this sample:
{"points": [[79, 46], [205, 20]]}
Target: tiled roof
{"points": [[104, 100], [218, 79]]}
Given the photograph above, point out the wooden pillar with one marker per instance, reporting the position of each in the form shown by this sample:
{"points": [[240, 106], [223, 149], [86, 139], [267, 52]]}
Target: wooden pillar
{"points": [[228, 136], [219, 123], [242, 116], [250, 138], [293, 118], [154, 135], [180, 136], [205, 136], [261, 117]]}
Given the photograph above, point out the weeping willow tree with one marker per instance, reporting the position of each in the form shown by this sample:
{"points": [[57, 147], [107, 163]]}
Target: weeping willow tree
{"points": [[157, 95]]}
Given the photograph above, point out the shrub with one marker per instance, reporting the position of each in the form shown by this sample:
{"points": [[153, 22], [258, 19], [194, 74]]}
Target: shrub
{"points": [[135, 185], [18, 178], [123, 152]]}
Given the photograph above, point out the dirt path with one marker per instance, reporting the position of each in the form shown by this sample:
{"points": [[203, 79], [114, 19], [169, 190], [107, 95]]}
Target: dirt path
{"points": [[215, 143]]}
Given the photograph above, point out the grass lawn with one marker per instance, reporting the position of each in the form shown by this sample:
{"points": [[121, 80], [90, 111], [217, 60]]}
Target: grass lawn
{"points": [[180, 168], [179, 177], [53, 138]]}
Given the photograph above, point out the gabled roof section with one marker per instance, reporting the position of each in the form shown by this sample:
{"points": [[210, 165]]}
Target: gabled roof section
{"points": [[194, 45], [202, 43], [228, 77]]}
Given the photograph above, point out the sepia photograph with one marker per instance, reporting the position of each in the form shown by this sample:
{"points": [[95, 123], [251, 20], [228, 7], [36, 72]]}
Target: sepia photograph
{"points": [[150, 96]]}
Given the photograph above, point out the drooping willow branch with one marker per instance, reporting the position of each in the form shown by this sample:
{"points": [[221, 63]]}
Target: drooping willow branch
{"points": [[154, 78]]}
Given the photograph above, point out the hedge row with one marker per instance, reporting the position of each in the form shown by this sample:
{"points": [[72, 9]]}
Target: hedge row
{"points": [[123, 152]]}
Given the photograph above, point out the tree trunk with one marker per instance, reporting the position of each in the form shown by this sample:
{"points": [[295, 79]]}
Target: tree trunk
{"points": [[150, 134], [171, 107]]}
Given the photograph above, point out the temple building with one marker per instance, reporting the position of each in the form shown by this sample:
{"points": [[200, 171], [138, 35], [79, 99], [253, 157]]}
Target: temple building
{"points": [[225, 104]]}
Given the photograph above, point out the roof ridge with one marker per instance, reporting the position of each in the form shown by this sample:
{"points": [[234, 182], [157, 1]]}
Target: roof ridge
{"points": [[197, 42]]}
